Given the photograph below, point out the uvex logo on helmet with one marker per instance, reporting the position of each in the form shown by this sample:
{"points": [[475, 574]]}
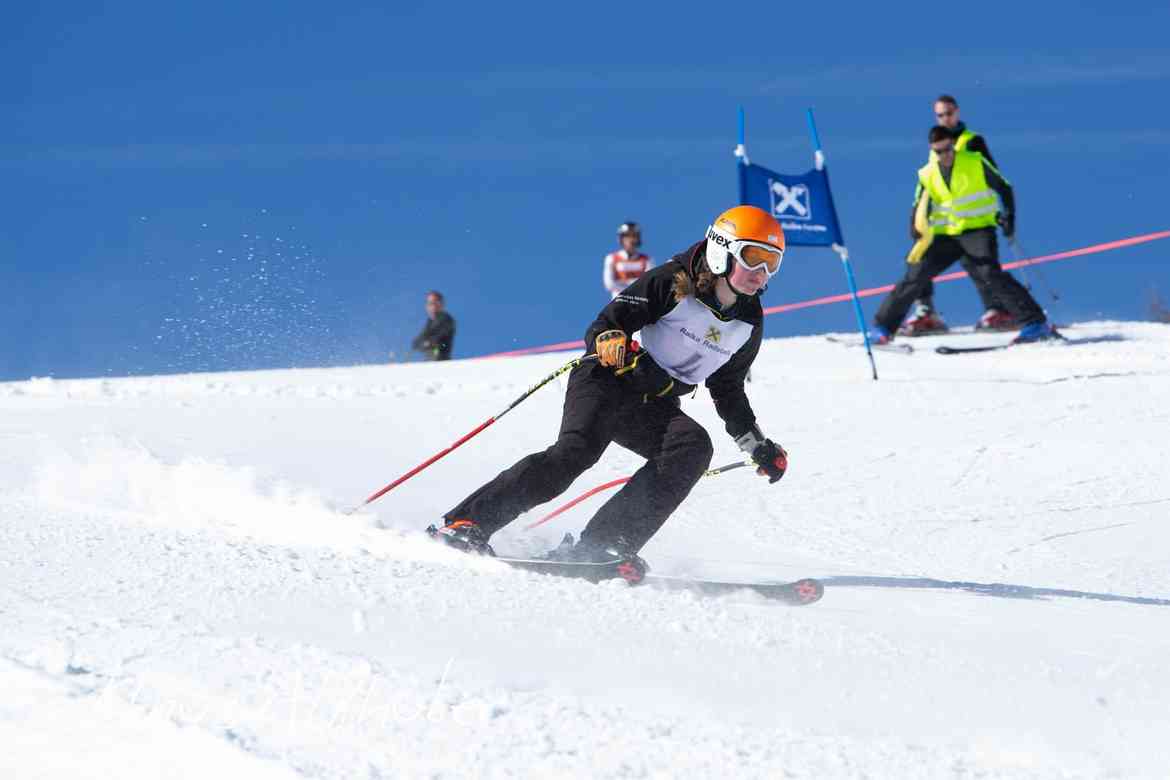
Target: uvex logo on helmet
{"points": [[718, 238]]}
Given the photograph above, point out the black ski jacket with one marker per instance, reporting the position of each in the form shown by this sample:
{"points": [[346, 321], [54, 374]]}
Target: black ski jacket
{"points": [[437, 337], [651, 297]]}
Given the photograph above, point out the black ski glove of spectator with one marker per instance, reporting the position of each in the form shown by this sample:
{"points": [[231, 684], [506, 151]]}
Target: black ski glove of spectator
{"points": [[767, 454], [1008, 223]]}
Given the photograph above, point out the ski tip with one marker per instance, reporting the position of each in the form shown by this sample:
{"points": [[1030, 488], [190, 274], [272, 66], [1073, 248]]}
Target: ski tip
{"points": [[807, 591]]}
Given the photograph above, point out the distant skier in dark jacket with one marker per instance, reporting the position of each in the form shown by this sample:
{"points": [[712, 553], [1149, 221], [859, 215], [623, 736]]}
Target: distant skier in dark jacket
{"points": [[701, 321], [438, 335]]}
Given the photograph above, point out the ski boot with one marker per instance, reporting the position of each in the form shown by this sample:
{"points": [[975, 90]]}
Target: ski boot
{"points": [[997, 320], [1037, 331], [630, 568], [880, 336], [463, 535], [925, 322]]}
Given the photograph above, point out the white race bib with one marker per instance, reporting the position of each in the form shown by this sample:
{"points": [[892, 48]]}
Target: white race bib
{"points": [[690, 343]]}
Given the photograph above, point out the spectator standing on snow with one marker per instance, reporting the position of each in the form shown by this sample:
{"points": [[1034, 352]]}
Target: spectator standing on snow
{"points": [[961, 212], [925, 318], [438, 335], [621, 268]]}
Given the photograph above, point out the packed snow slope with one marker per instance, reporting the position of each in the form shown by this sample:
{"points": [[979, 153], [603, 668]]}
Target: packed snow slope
{"points": [[182, 594]]}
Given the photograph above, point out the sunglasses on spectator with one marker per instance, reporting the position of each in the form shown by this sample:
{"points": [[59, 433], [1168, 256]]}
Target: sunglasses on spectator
{"points": [[943, 114]]}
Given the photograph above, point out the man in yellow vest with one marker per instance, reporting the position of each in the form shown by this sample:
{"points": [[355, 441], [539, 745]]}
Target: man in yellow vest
{"points": [[925, 319], [961, 214]]}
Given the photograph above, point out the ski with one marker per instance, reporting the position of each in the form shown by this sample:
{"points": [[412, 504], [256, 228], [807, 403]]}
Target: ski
{"points": [[635, 571], [632, 570], [944, 350], [797, 593], [901, 349]]}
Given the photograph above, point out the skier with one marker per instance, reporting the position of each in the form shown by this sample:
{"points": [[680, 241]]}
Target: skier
{"points": [[960, 189], [437, 337], [925, 319], [701, 321], [619, 269]]}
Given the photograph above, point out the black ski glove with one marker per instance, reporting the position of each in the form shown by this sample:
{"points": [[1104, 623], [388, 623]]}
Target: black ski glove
{"points": [[1008, 223], [767, 454], [771, 459]]}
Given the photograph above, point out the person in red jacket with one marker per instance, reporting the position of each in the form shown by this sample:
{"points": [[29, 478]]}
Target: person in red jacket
{"points": [[701, 322], [623, 267]]}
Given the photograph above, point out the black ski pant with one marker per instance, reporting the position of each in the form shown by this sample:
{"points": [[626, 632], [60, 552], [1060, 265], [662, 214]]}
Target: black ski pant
{"points": [[985, 295], [980, 251], [600, 409]]}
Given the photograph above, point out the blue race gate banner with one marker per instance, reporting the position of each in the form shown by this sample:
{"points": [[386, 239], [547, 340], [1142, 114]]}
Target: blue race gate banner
{"points": [[801, 203]]}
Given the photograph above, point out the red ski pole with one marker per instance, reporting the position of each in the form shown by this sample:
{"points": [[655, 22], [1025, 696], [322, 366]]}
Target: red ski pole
{"points": [[567, 367], [622, 481]]}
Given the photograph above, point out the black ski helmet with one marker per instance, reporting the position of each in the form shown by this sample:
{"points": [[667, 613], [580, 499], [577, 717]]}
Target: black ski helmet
{"points": [[630, 228]]}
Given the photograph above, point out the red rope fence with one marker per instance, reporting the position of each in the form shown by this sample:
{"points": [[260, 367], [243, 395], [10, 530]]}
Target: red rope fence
{"points": [[872, 291]]}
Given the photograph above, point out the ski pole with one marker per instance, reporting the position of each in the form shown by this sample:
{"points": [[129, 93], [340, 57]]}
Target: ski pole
{"points": [[567, 367], [1016, 252], [614, 483]]}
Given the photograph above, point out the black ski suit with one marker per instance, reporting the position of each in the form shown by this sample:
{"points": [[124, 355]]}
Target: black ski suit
{"points": [[639, 410]]}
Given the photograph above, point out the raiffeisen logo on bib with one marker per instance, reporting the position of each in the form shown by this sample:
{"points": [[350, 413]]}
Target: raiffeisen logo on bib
{"points": [[707, 342]]}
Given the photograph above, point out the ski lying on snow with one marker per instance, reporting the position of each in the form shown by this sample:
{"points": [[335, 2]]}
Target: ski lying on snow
{"points": [[797, 593], [901, 349]]}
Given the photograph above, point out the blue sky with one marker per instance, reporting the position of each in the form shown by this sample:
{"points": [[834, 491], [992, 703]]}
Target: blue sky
{"points": [[216, 186]]}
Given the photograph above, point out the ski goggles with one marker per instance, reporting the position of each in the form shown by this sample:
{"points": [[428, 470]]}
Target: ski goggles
{"points": [[750, 255]]}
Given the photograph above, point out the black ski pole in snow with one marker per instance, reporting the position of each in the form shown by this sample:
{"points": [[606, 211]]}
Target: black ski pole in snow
{"points": [[623, 480], [567, 367], [1016, 253]]}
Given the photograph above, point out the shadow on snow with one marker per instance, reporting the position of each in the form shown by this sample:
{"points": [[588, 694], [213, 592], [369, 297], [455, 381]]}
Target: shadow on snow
{"points": [[998, 589]]}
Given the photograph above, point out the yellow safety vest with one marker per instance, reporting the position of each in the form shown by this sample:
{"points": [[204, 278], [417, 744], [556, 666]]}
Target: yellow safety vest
{"points": [[960, 143], [964, 139], [967, 204]]}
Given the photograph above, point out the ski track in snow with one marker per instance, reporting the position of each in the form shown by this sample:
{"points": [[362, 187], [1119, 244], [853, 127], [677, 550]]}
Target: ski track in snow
{"points": [[182, 595]]}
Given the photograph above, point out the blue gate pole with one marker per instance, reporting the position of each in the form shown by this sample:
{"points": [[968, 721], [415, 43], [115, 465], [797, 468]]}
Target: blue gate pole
{"points": [[819, 157], [741, 160]]}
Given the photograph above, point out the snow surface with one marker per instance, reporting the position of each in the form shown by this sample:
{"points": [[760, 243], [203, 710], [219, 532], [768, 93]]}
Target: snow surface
{"points": [[181, 594]]}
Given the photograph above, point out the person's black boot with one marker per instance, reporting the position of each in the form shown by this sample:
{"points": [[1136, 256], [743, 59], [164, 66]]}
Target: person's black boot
{"points": [[463, 535], [632, 568]]}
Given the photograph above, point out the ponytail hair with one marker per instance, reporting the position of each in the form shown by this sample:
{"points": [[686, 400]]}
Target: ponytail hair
{"points": [[702, 283]]}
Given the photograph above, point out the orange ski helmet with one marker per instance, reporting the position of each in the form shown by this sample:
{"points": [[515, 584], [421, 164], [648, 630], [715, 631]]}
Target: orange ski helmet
{"points": [[741, 227]]}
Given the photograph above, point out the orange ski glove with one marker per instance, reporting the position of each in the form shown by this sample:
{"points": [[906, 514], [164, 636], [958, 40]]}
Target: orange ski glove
{"points": [[611, 348]]}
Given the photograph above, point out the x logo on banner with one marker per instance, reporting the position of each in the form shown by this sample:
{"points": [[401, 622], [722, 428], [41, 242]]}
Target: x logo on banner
{"points": [[790, 198]]}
